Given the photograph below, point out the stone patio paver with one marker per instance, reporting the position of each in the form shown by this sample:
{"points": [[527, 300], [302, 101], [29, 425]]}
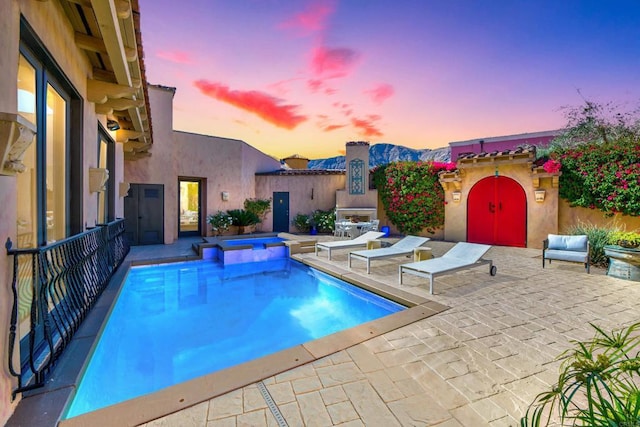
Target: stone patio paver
{"points": [[479, 363]]}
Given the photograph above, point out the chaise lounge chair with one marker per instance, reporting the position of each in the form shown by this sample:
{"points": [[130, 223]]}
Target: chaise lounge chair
{"points": [[404, 246], [462, 256], [353, 243]]}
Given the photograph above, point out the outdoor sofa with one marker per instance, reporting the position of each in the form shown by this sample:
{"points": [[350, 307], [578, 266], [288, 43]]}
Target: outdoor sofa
{"points": [[566, 248]]}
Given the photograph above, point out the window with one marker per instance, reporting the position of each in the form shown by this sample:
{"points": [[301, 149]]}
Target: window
{"points": [[49, 202]]}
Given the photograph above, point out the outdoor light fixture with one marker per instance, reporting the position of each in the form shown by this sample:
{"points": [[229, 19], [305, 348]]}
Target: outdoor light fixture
{"points": [[540, 195], [456, 196], [113, 125], [225, 195]]}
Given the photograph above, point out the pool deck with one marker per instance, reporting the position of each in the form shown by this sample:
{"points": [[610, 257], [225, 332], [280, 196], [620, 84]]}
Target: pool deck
{"points": [[479, 363]]}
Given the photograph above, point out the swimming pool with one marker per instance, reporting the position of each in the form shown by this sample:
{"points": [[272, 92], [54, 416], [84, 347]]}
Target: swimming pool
{"points": [[256, 242], [174, 322]]}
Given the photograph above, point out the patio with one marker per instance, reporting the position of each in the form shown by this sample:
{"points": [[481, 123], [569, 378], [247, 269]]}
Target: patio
{"points": [[479, 363]]}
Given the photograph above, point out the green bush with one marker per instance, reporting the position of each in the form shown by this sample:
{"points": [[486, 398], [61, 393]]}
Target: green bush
{"points": [[258, 206], [302, 222], [220, 221], [597, 385], [412, 195], [243, 218], [324, 221], [598, 237], [627, 239]]}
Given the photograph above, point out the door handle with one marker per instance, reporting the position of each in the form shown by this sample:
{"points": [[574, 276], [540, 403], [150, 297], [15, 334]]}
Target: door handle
{"points": [[492, 207]]}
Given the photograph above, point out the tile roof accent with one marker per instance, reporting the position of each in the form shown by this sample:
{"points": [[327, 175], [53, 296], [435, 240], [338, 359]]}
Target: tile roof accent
{"points": [[518, 155], [289, 172]]}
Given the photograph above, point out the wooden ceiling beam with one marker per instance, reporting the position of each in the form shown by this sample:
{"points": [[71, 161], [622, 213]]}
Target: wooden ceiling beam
{"points": [[99, 91]]}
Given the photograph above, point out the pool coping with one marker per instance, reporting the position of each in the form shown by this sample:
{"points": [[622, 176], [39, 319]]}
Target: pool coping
{"points": [[49, 402]]}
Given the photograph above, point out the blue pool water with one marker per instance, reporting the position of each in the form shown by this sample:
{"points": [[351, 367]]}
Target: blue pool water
{"points": [[175, 322], [256, 242]]}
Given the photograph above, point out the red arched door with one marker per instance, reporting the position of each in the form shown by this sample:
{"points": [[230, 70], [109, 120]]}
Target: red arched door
{"points": [[497, 212]]}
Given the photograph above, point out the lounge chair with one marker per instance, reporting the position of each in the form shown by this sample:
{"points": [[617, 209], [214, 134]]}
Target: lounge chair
{"points": [[404, 246], [353, 243], [460, 257]]}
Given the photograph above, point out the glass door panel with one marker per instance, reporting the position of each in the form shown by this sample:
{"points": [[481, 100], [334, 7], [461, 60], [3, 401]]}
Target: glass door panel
{"points": [[56, 137], [189, 208]]}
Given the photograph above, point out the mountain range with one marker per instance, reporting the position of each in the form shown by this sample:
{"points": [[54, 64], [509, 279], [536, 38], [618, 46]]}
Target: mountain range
{"points": [[381, 154]]}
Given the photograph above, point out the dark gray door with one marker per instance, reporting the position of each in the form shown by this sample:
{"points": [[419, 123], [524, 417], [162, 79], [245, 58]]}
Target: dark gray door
{"points": [[144, 214], [281, 211]]}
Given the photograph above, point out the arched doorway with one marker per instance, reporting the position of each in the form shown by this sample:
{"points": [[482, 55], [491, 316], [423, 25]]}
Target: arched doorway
{"points": [[497, 212]]}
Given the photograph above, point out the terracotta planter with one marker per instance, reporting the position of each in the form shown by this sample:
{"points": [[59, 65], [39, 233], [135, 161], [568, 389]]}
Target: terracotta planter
{"points": [[624, 263]]}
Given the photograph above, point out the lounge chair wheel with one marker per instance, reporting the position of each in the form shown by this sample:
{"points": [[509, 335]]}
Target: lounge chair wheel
{"points": [[493, 270]]}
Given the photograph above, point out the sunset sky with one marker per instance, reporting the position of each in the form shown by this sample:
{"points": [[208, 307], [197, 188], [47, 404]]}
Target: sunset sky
{"points": [[304, 77]]}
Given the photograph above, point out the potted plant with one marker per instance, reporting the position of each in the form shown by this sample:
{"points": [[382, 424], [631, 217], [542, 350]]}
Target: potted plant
{"points": [[219, 222], [598, 385], [243, 218], [302, 222], [624, 255]]}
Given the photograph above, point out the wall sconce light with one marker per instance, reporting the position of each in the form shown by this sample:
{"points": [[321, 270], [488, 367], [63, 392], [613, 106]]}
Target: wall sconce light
{"points": [[311, 193], [113, 125], [540, 195], [225, 195], [456, 196]]}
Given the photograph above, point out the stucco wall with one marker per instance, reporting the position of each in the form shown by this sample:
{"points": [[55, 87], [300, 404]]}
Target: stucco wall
{"points": [[299, 188], [542, 218], [160, 168], [568, 217]]}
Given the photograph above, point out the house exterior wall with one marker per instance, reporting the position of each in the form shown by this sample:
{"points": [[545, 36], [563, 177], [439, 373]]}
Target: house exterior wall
{"points": [[300, 188], [50, 23], [160, 167], [570, 216], [542, 217]]}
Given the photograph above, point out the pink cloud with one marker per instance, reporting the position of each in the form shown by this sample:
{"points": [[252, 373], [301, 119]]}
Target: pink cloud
{"points": [[330, 128], [329, 63], [261, 104], [311, 20], [176, 56], [380, 93], [367, 126]]}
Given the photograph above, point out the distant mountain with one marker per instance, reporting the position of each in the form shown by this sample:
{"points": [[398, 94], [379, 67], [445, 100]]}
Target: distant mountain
{"points": [[381, 154]]}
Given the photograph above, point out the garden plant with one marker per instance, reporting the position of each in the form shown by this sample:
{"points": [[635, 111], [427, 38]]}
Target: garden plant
{"points": [[598, 384]]}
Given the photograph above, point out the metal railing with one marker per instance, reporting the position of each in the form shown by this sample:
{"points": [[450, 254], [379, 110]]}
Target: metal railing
{"points": [[54, 287]]}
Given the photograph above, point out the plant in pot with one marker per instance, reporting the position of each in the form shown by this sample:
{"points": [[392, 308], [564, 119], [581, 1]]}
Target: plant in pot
{"points": [[302, 222], [626, 239], [219, 222], [243, 218]]}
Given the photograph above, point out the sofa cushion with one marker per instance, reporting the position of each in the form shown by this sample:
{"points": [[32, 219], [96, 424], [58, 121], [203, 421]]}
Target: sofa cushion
{"points": [[568, 243], [560, 255]]}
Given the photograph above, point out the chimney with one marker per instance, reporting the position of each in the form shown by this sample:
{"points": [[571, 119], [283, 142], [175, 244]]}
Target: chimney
{"points": [[296, 161], [357, 165]]}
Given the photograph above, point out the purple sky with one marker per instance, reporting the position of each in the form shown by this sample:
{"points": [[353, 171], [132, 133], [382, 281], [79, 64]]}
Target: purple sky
{"points": [[304, 77]]}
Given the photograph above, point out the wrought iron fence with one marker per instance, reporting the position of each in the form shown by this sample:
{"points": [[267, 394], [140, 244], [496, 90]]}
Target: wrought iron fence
{"points": [[54, 287]]}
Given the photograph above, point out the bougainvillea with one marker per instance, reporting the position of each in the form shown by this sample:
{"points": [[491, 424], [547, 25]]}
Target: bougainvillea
{"points": [[411, 194], [602, 176]]}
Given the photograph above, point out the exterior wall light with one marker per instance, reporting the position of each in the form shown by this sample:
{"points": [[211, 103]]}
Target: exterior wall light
{"points": [[225, 195], [540, 195], [456, 196]]}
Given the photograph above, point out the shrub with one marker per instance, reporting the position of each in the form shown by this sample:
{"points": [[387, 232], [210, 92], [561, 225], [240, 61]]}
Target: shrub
{"points": [[258, 206], [302, 222], [324, 220], [412, 195], [598, 237], [597, 385], [626, 239], [243, 218], [219, 221]]}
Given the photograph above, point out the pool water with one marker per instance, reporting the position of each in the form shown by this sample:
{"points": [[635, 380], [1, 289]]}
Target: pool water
{"points": [[174, 322], [256, 242]]}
